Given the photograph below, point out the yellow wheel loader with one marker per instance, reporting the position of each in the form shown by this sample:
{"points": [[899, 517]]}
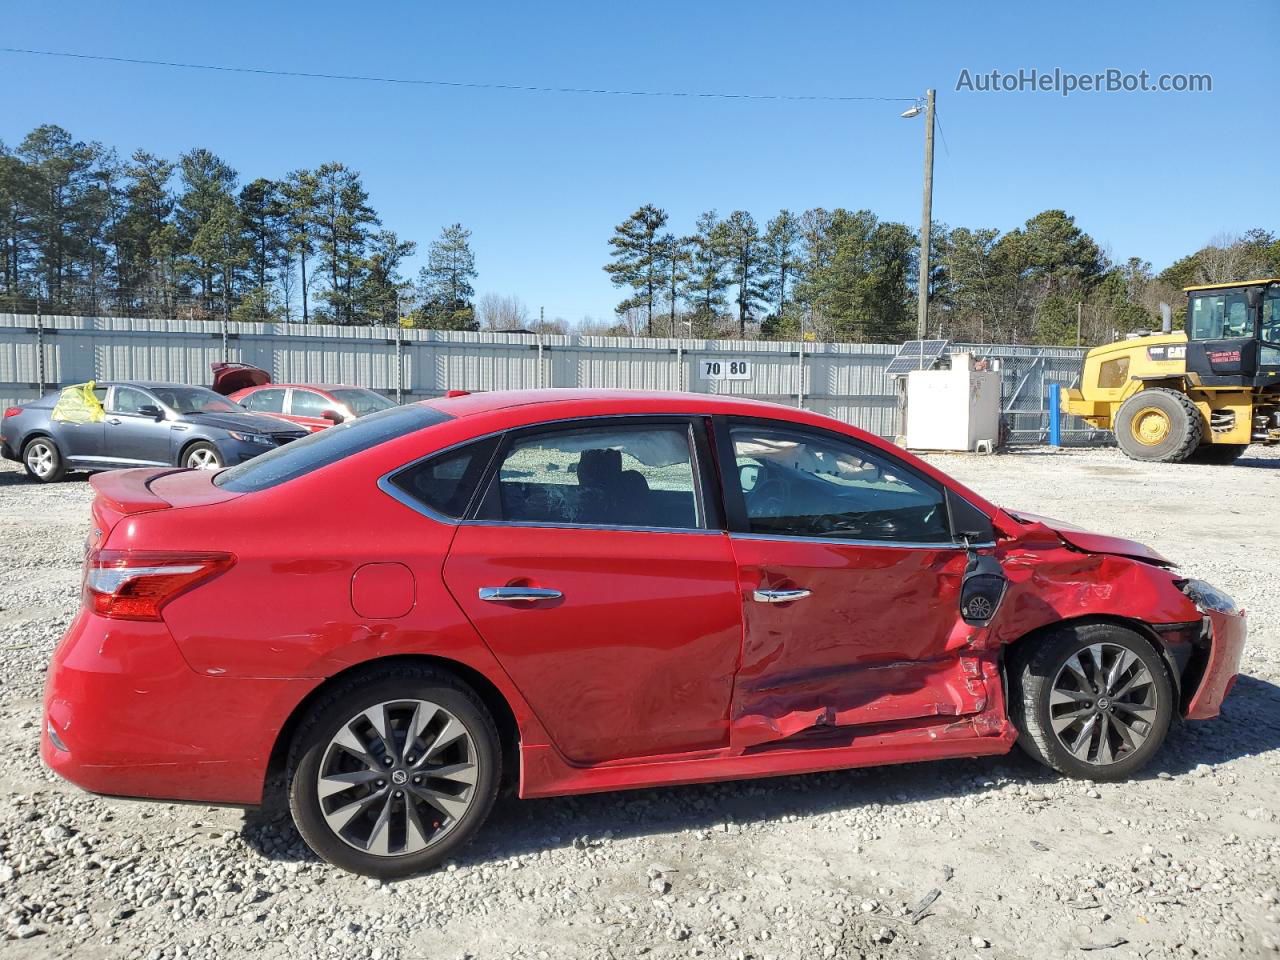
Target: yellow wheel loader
{"points": [[1203, 394]]}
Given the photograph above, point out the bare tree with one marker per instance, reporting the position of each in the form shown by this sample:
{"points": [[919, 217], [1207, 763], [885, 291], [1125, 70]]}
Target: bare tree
{"points": [[495, 311]]}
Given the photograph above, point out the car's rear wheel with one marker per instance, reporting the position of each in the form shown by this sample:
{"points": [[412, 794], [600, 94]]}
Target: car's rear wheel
{"points": [[202, 456], [43, 461], [394, 770], [1093, 702]]}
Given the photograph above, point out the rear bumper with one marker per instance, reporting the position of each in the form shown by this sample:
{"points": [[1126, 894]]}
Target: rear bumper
{"points": [[1226, 647], [125, 715], [7, 451]]}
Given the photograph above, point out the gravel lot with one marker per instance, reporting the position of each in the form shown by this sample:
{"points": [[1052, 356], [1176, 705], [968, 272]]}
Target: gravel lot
{"points": [[1184, 862]]}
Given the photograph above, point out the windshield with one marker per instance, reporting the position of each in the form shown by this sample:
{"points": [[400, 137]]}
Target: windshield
{"points": [[362, 402], [194, 400], [328, 446], [1271, 315], [1220, 316]]}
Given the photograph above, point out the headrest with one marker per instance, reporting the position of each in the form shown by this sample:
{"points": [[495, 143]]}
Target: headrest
{"points": [[599, 466]]}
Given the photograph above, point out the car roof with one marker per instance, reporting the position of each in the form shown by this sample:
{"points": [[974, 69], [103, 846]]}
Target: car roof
{"points": [[304, 386], [146, 384], [611, 400]]}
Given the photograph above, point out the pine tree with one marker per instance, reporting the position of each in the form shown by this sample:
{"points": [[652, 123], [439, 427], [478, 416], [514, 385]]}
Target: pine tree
{"points": [[60, 178], [782, 234], [676, 258], [444, 284], [262, 214], [707, 281], [745, 256], [207, 183], [299, 191], [637, 260], [381, 282], [343, 218]]}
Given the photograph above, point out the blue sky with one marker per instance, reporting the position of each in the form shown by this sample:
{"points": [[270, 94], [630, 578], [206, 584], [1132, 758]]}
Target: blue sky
{"points": [[542, 179]]}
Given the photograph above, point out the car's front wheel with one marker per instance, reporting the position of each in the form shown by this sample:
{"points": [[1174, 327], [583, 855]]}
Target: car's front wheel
{"points": [[1093, 701], [202, 456], [43, 461], [393, 770]]}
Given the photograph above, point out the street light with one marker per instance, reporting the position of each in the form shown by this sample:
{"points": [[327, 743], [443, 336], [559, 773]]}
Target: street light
{"points": [[926, 219]]}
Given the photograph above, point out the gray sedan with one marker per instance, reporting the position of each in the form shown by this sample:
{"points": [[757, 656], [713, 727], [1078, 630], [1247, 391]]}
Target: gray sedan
{"points": [[144, 424]]}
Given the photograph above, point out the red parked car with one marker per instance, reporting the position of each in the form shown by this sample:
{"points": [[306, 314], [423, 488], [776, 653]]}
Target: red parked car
{"points": [[311, 405], [592, 591]]}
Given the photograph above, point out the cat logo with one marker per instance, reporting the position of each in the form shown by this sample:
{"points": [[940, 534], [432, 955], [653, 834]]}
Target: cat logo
{"points": [[1173, 352]]}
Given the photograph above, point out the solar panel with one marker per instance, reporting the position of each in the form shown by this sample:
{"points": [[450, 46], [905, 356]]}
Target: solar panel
{"points": [[916, 355]]}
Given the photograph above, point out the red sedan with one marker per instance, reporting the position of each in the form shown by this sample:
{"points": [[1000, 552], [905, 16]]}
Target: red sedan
{"points": [[315, 406], [608, 590]]}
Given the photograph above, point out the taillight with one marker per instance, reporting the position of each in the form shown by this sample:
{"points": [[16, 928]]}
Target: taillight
{"points": [[12, 411], [136, 584]]}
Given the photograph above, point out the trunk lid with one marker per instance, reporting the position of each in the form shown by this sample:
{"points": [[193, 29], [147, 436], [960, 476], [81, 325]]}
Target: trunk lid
{"points": [[125, 493], [230, 377]]}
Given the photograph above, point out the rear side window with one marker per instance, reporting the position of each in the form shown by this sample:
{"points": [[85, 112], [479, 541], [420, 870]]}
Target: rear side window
{"points": [[265, 401], [614, 475], [300, 457], [445, 484]]}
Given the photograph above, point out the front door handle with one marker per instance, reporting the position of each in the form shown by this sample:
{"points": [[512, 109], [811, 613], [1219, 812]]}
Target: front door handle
{"points": [[778, 596], [518, 594]]}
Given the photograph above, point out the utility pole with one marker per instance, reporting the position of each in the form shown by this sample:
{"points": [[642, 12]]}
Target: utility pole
{"points": [[926, 220]]}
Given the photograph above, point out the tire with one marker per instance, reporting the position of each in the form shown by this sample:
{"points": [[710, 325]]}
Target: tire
{"points": [[1220, 453], [43, 460], [381, 825], [202, 456], [1158, 425], [1052, 703]]}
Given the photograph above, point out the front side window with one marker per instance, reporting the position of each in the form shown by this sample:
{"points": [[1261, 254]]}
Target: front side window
{"points": [[1220, 316], [614, 475], [195, 400], [130, 400], [265, 401], [362, 402], [810, 485]]}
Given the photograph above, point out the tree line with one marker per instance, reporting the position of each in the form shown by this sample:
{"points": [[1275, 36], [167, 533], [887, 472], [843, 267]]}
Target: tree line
{"points": [[834, 275], [82, 230]]}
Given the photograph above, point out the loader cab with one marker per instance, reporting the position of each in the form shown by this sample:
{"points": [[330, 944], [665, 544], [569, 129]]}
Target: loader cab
{"points": [[1233, 333]]}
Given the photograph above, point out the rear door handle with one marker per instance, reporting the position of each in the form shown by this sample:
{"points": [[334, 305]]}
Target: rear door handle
{"points": [[778, 596], [114, 420], [518, 594]]}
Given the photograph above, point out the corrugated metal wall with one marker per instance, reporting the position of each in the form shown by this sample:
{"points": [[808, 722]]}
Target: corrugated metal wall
{"points": [[843, 380]]}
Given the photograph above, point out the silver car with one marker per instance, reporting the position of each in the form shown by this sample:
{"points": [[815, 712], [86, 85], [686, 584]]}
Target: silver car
{"points": [[144, 424]]}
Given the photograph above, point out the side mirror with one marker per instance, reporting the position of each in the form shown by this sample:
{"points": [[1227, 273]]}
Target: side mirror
{"points": [[1253, 298], [333, 416], [151, 410]]}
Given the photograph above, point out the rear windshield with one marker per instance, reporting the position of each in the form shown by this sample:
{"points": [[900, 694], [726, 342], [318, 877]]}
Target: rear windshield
{"points": [[330, 445]]}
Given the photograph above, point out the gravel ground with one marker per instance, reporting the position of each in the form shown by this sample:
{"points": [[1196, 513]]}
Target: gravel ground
{"points": [[1183, 862]]}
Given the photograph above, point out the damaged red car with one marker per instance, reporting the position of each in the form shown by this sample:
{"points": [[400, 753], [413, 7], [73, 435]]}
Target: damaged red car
{"points": [[581, 591]]}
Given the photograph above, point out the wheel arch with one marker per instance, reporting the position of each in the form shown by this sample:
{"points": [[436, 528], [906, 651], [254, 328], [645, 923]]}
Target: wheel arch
{"points": [[493, 699], [1019, 647], [35, 434], [187, 445]]}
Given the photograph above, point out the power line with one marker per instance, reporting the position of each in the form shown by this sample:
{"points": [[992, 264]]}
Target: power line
{"points": [[469, 85]]}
